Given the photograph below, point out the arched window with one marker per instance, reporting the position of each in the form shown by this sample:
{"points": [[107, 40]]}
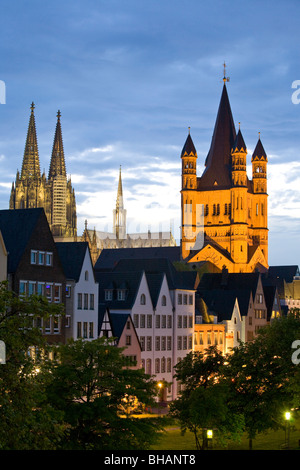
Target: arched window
{"points": [[143, 299], [164, 301], [86, 276]]}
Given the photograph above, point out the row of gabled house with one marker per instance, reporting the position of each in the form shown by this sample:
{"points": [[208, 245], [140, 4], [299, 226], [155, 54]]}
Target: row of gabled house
{"points": [[157, 313]]}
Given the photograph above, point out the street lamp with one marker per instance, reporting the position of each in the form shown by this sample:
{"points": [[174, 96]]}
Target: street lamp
{"points": [[209, 437], [287, 428]]}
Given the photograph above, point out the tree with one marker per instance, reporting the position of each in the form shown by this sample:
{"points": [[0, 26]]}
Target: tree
{"points": [[203, 401], [26, 419], [261, 376], [89, 383]]}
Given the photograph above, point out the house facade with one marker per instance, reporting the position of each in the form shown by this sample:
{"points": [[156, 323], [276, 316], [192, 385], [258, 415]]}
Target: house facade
{"points": [[161, 303], [81, 290], [33, 263], [120, 327]]}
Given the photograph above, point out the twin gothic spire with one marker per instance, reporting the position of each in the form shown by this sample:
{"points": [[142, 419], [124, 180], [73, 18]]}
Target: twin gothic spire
{"points": [[31, 162]]}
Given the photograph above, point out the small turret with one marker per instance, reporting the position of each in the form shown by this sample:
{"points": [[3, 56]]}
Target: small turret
{"points": [[189, 164], [239, 154], [259, 168]]}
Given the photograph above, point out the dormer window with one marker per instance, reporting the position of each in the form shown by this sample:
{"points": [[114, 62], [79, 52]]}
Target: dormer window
{"points": [[121, 294], [108, 294]]}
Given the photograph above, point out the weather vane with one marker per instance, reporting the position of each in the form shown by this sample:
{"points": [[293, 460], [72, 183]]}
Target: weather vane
{"points": [[225, 79]]}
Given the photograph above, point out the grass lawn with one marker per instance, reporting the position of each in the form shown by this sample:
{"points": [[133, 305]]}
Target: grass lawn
{"points": [[172, 439]]}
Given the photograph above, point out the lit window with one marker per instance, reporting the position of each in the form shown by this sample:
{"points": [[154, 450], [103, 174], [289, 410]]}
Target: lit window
{"points": [[48, 292], [57, 293], [33, 257], [22, 288], [31, 288], [49, 257], [41, 257]]}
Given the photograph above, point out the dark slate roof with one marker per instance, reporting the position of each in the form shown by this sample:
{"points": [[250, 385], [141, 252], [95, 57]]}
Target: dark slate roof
{"points": [[283, 272], [119, 280], [218, 160], [118, 323], [239, 143], [72, 255], [176, 279], [110, 257], [154, 281], [189, 147], [220, 302], [229, 281], [17, 226], [269, 294], [259, 151]]}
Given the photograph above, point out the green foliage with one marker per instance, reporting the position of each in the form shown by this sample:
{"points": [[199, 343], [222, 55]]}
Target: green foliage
{"points": [[262, 375], [26, 420], [91, 383], [203, 401]]}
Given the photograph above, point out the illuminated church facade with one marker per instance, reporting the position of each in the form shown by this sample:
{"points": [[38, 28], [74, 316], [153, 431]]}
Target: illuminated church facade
{"points": [[224, 214]]}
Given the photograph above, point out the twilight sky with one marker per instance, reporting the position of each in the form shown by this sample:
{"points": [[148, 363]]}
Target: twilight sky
{"points": [[130, 77]]}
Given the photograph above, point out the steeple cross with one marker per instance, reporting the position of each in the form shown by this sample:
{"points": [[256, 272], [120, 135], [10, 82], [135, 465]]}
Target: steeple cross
{"points": [[225, 79]]}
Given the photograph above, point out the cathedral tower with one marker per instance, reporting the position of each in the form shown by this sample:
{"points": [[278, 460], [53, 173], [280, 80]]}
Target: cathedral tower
{"points": [[235, 226], [55, 194]]}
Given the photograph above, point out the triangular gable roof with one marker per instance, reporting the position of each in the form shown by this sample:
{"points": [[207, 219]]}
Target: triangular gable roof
{"points": [[17, 226], [154, 282], [72, 255]]}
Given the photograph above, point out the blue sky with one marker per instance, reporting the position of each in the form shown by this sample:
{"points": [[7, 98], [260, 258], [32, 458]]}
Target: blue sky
{"points": [[130, 77]]}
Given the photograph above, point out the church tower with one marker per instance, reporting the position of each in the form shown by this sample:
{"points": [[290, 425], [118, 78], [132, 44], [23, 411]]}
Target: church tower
{"points": [[119, 213], [63, 210], [30, 188], [235, 226], [55, 194]]}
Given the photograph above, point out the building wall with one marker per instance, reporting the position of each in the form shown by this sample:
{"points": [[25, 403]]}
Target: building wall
{"points": [[40, 271], [85, 313], [3, 260]]}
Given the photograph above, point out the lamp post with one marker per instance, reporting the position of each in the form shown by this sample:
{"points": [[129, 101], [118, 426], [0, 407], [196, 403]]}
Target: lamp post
{"points": [[159, 395], [209, 437], [287, 428]]}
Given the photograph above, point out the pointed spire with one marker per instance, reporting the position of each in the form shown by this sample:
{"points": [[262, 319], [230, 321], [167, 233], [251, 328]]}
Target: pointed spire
{"points": [[119, 204], [239, 143], [218, 160], [31, 162], [189, 147], [57, 163], [259, 151]]}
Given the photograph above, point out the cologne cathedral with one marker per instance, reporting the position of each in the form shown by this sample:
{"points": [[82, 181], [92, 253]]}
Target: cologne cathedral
{"points": [[55, 193], [224, 213]]}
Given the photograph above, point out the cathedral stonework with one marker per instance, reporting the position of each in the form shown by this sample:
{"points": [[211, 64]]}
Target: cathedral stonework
{"points": [[234, 208], [55, 193]]}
